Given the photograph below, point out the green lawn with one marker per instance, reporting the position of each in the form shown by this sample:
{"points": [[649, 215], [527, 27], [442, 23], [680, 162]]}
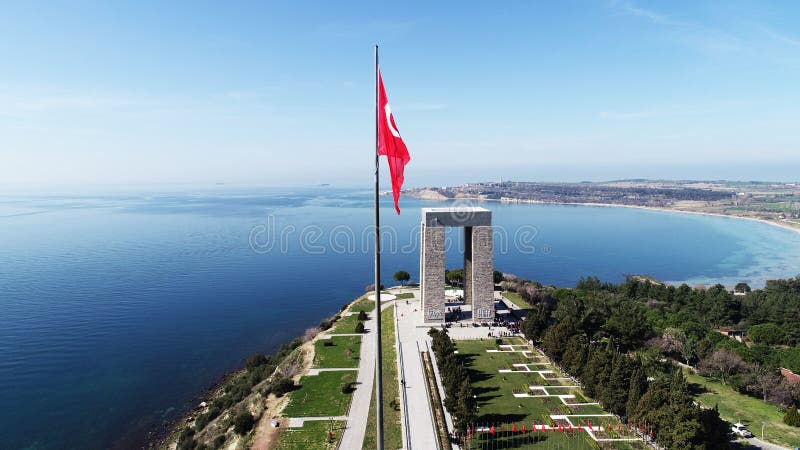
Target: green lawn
{"points": [[497, 404], [320, 395], [312, 435], [343, 353], [735, 407], [517, 300], [345, 325], [392, 432], [363, 304], [405, 295]]}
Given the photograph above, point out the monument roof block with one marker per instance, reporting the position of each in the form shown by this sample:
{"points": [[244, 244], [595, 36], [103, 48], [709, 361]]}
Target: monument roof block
{"points": [[460, 216]]}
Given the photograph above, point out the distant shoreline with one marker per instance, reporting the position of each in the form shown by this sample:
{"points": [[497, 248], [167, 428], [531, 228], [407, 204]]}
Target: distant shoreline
{"points": [[617, 205], [674, 210]]}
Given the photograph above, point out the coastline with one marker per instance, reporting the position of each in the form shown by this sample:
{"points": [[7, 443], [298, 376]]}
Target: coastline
{"points": [[168, 436], [796, 229], [683, 211]]}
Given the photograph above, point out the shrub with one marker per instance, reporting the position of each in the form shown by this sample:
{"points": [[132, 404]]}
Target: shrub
{"points": [[243, 423], [281, 386], [327, 343], [792, 417], [256, 360], [204, 419], [362, 315], [185, 439], [219, 441], [328, 323], [360, 327]]}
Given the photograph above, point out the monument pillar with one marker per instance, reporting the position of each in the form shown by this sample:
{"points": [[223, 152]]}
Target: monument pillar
{"points": [[478, 262], [432, 273]]}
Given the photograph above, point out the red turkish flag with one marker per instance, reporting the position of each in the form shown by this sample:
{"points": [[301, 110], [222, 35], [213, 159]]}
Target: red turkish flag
{"points": [[390, 143], [514, 428]]}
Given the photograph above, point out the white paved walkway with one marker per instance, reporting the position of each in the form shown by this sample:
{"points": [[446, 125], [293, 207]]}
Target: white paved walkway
{"points": [[353, 435], [420, 421]]}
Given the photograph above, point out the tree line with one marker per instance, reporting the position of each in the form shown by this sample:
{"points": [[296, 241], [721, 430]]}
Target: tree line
{"points": [[459, 397], [592, 346], [586, 329]]}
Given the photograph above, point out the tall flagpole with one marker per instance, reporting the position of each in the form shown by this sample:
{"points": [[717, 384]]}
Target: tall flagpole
{"points": [[378, 350]]}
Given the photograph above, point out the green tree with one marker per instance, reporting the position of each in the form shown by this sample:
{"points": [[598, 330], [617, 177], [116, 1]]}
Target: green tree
{"points": [[466, 408], [766, 333], [628, 324], [359, 327], [255, 360], [715, 430], [556, 337], [402, 276], [792, 417], [243, 423], [498, 276], [454, 277], [535, 323], [618, 384], [636, 389]]}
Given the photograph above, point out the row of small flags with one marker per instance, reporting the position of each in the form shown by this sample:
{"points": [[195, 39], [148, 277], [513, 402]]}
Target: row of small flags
{"points": [[481, 430]]}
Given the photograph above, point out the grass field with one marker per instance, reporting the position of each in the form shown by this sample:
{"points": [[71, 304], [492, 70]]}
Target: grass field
{"points": [[343, 353], [405, 295], [392, 432], [320, 395], [345, 325], [735, 407], [517, 300], [312, 435], [363, 304], [498, 405]]}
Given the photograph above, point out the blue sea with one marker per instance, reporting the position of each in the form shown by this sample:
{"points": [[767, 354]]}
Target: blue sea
{"points": [[119, 309]]}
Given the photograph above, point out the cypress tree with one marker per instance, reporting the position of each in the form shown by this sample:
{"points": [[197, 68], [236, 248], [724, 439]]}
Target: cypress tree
{"points": [[618, 384], [636, 389], [792, 417]]}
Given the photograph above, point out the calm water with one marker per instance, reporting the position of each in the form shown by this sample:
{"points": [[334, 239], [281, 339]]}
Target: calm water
{"points": [[118, 310]]}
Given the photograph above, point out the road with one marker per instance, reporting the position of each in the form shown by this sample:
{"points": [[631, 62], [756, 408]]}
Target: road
{"points": [[755, 442]]}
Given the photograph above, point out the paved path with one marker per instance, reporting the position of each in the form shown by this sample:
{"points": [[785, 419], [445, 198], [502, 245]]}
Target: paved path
{"points": [[765, 445], [297, 422], [420, 421], [312, 372], [353, 435]]}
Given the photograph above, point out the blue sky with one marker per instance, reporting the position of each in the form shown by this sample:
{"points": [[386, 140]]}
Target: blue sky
{"points": [[281, 93]]}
